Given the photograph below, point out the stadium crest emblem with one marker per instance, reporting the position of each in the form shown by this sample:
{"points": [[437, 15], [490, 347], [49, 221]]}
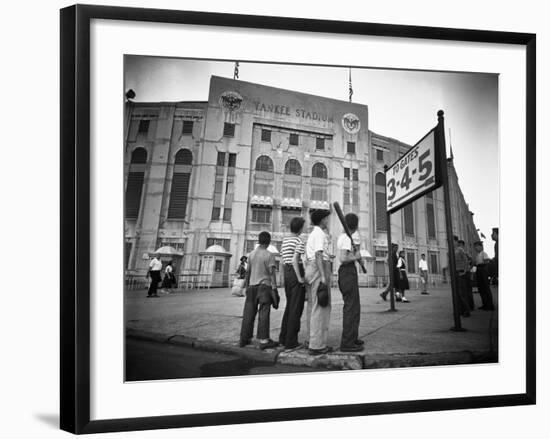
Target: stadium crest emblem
{"points": [[351, 123], [231, 100]]}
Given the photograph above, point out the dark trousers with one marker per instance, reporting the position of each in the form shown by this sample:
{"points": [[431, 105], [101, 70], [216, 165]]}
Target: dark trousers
{"points": [[462, 284], [482, 277], [349, 287], [258, 300], [155, 279], [295, 296], [470, 293]]}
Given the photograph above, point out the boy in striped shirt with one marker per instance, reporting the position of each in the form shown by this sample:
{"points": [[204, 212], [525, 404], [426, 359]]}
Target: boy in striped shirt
{"points": [[292, 251]]}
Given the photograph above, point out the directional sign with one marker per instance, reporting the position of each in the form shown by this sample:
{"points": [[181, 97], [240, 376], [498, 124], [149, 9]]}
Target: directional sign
{"points": [[414, 174]]}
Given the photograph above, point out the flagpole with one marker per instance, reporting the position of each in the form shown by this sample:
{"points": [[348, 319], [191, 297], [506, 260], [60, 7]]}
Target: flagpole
{"points": [[440, 142], [350, 86]]}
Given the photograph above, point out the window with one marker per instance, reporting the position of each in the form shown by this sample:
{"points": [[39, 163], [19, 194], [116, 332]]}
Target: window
{"points": [[218, 266], [264, 164], [187, 127], [266, 136], [379, 155], [139, 156], [215, 213], [263, 187], [228, 129], [346, 173], [218, 241], [179, 194], [221, 159], [250, 244], [351, 147], [143, 126], [431, 220], [408, 218], [226, 214], [355, 174], [260, 215], [293, 139], [232, 160], [319, 193], [319, 171], [381, 225], [320, 144], [134, 183], [433, 263], [287, 215], [380, 253], [411, 261], [380, 200], [292, 190], [293, 167]]}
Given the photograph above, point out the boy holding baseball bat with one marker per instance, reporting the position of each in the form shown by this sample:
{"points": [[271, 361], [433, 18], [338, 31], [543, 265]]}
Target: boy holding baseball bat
{"points": [[348, 252]]}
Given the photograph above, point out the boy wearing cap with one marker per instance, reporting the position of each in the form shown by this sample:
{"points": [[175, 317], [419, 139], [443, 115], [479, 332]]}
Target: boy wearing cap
{"points": [[348, 283], [318, 275], [482, 277]]}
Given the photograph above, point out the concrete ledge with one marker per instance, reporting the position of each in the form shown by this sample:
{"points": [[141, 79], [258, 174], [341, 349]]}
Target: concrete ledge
{"points": [[333, 360], [147, 335]]}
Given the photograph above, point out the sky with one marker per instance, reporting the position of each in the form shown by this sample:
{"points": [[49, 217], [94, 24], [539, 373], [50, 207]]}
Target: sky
{"points": [[403, 104]]}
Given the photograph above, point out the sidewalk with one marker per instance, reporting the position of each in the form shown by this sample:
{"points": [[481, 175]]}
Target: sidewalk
{"points": [[418, 334]]}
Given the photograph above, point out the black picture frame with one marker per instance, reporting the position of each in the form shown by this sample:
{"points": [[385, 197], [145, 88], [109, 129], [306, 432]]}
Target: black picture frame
{"points": [[75, 217]]}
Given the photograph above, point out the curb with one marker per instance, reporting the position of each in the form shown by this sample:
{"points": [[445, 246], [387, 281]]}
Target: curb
{"points": [[332, 361]]}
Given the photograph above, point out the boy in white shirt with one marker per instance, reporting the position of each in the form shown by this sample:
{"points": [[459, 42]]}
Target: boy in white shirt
{"points": [[318, 276]]}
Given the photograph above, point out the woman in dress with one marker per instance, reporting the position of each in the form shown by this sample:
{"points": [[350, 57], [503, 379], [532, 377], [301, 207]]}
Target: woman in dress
{"points": [[169, 278], [403, 280]]}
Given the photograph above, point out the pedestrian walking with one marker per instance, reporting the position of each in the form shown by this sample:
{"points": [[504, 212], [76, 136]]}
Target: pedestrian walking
{"points": [[393, 257], [261, 294], [462, 266], [482, 278], [403, 280], [169, 279], [348, 283], [292, 251], [238, 283], [423, 269], [155, 266], [318, 277]]}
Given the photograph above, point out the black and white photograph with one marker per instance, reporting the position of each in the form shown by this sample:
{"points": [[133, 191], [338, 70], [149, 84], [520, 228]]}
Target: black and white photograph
{"points": [[296, 218]]}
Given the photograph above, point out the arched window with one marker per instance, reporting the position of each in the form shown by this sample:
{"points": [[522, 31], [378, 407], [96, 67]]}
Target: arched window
{"points": [[380, 186], [134, 184], [319, 182], [319, 171], [293, 167], [264, 164], [180, 184], [380, 179], [184, 157]]}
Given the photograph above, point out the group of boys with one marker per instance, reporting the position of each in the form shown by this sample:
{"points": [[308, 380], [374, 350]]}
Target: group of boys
{"points": [[307, 275]]}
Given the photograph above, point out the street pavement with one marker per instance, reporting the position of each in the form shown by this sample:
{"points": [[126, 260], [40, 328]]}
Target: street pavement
{"points": [[417, 334]]}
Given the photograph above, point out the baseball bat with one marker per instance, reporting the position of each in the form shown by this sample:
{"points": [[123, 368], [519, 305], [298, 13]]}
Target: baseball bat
{"points": [[342, 219]]}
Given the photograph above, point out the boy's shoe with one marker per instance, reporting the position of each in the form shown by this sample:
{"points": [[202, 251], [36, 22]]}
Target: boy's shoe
{"points": [[359, 342], [243, 343], [404, 299], [268, 344], [294, 346], [325, 350], [355, 348], [424, 292], [383, 296]]}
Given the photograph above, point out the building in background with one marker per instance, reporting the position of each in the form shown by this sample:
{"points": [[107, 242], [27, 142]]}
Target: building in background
{"points": [[203, 179]]}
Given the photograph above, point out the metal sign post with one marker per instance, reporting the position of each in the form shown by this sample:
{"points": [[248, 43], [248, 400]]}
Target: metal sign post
{"points": [[440, 143], [391, 256]]}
